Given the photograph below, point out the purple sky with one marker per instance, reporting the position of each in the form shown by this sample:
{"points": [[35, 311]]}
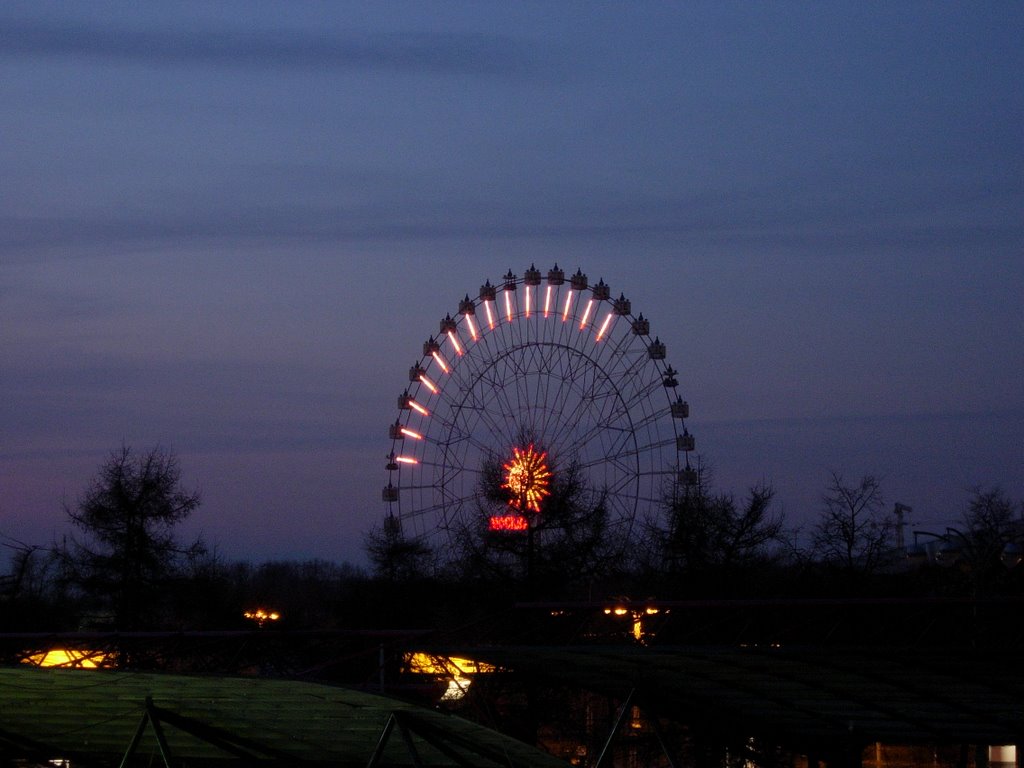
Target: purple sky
{"points": [[228, 228]]}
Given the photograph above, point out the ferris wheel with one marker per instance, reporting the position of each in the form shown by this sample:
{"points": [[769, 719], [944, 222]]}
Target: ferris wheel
{"points": [[536, 378]]}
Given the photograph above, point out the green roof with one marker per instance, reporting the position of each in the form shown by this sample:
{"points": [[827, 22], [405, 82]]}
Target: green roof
{"points": [[801, 697], [91, 716]]}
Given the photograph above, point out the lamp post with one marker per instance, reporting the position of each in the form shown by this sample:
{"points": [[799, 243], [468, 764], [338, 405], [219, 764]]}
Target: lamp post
{"points": [[636, 612]]}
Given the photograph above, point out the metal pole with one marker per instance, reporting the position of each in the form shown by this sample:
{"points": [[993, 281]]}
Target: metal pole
{"points": [[606, 750]]}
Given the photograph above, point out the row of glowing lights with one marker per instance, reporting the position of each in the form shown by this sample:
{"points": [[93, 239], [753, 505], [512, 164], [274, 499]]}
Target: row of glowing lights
{"points": [[474, 333], [549, 309], [510, 314]]}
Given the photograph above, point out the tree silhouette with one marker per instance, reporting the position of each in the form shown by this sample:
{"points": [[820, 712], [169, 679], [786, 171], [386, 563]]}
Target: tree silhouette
{"points": [[128, 551], [991, 523], [707, 530], [394, 556], [853, 531]]}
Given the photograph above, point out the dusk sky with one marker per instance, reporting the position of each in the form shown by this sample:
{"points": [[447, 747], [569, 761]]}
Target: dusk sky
{"points": [[228, 228]]}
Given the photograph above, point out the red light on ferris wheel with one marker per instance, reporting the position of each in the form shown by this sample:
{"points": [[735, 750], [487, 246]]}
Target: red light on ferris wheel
{"points": [[508, 523]]}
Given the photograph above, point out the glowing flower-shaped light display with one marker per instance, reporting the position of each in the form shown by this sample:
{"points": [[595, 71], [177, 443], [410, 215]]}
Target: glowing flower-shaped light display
{"points": [[527, 479]]}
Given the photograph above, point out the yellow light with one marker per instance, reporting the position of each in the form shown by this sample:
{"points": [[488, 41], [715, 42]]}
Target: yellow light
{"points": [[565, 309], [472, 327], [409, 433], [527, 301], [261, 616], [455, 342], [547, 301], [67, 657], [431, 664], [636, 617], [458, 671], [406, 460], [428, 383], [417, 407], [440, 361], [604, 326], [508, 306], [527, 477], [490, 315]]}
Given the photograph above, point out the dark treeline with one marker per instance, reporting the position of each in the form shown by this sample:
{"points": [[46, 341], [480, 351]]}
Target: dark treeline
{"points": [[123, 568]]}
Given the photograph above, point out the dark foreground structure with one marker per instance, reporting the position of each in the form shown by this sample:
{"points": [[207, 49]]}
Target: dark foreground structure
{"points": [[93, 718], [743, 684], [672, 706], [786, 706]]}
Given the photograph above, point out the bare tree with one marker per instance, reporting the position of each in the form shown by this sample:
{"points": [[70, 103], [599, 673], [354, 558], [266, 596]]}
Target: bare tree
{"points": [[128, 550], [31, 575], [748, 529], [991, 523], [853, 530], [714, 530]]}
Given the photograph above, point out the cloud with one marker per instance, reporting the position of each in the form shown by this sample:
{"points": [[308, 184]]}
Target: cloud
{"points": [[722, 223], [223, 405], [444, 53]]}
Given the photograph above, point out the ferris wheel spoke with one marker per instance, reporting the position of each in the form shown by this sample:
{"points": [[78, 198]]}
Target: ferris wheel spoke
{"points": [[613, 346], [482, 414], [598, 400], [619, 459], [651, 418], [609, 451], [601, 427], [438, 507], [515, 380], [626, 462], [638, 450], [652, 502], [444, 467], [625, 405], [458, 434], [556, 408], [549, 399], [618, 487], [499, 392], [567, 385], [523, 400]]}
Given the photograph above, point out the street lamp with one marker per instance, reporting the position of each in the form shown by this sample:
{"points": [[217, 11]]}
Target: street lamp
{"points": [[635, 611]]}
